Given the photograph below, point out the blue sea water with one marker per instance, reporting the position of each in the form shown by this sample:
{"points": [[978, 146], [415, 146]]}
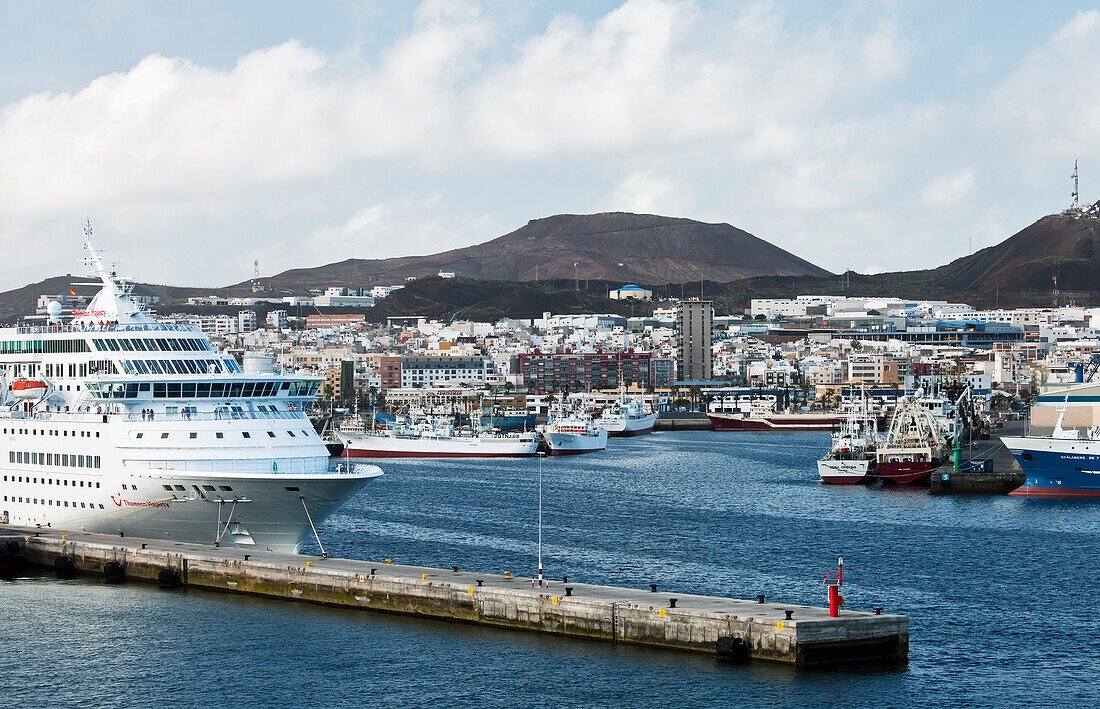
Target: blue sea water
{"points": [[1000, 593]]}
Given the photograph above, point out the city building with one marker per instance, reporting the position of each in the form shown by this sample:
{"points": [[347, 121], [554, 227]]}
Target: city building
{"points": [[431, 370], [246, 321], [630, 292], [582, 371], [277, 319], [325, 320], [694, 325]]}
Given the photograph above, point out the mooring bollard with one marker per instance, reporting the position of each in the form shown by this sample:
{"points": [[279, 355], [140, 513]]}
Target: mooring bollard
{"points": [[480, 582], [789, 614], [372, 571], [143, 545], [569, 590], [653, 588], [760, 598], [878, 611], [672, 603], [565, 579], [455, 569], [246, 556]]}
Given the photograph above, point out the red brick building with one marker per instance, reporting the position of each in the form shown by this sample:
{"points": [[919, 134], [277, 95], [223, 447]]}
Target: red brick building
{"points": [[389, 371], [582, 371]]}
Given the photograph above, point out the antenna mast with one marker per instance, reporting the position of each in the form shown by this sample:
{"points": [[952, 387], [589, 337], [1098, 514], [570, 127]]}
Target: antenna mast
{"points": [[1076, 194]]}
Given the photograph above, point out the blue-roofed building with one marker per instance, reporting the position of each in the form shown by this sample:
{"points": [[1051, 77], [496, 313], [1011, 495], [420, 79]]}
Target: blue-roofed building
{"points": [[630, 292]]}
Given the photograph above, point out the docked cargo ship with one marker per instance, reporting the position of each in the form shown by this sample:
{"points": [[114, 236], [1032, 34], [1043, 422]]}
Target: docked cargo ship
{"points": [[1064, 464], [574, 433], [762, 416], [914, 447], [435, 437], [115, 423]]}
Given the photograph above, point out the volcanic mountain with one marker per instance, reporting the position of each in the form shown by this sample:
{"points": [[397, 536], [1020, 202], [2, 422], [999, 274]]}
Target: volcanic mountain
{"points": [[614, 246], [1056, 246]]}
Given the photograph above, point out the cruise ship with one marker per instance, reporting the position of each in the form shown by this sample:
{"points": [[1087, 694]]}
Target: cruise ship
{"points": [[118, 424]]}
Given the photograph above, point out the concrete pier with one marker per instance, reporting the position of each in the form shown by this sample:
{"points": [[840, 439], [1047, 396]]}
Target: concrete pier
{"points": [[1001, 476], [683, 421], [739, 629]]}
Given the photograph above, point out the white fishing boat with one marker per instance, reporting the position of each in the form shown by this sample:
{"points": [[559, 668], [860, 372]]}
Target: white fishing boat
{"points": [[853, 452], [629, 416], [435, 437], [573, 433]]}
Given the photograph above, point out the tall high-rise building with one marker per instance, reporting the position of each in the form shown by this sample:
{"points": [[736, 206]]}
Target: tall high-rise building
{"points": [[694, 322]]}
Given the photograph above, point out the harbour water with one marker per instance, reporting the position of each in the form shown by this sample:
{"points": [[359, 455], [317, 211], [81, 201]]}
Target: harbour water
{"points": [[999, 592]]}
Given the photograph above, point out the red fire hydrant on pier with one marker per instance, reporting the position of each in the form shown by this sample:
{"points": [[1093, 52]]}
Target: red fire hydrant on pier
{"points": [[834, 580]]}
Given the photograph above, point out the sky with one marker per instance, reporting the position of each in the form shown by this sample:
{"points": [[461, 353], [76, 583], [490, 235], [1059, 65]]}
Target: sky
{"points": [[201, 137]]}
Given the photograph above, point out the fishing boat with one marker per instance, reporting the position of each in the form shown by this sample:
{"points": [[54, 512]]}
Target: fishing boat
{"points": [[853, 453], [435, 437], [915, 445], [573, 433]]}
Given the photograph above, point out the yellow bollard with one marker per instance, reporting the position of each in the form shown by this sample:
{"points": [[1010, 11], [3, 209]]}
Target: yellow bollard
{"points": [[309, 564], [389, 561], [64, 537], [507, 574], [423, 577]]}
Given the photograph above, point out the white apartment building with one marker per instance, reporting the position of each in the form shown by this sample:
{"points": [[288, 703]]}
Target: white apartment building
{"points": [[246, 321]]}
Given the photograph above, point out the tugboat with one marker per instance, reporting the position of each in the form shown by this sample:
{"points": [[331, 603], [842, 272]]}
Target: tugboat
{"points": [[915, 445]]}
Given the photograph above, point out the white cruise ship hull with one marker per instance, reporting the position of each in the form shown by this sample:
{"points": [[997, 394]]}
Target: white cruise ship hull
{"points": [[375, 446], [575, 443], [262, 511]]}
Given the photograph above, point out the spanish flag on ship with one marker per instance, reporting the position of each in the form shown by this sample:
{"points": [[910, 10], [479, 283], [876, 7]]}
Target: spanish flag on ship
{"points": [[72, 292]]}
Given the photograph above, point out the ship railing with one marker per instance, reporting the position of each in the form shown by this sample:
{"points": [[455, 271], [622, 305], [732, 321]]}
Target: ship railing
{"points": [[348, 467], [145, 327], [93, 417]]}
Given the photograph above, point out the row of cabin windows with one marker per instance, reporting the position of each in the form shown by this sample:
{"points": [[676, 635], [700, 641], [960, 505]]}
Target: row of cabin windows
{"points": [[153, 344], [201, 390], [52, 432], [64, 460], [50, 481], [220, 434], [57, 503], [60, 369], [208, 488], [180, 366], [43, 346]]}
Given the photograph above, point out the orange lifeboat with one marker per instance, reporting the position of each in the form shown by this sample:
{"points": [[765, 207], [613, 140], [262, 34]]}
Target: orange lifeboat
{"points": [[28, 388]]}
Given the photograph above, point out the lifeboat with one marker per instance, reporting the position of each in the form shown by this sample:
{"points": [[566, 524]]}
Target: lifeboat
{"points": [[28, 388]]}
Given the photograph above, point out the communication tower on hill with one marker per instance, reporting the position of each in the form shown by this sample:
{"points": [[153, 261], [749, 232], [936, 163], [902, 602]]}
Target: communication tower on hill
{"points": [[257, 287], [1076, 192]]}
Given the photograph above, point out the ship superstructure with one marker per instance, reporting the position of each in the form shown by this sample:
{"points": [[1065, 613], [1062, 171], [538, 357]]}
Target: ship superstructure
{"points": [[116, 423]]}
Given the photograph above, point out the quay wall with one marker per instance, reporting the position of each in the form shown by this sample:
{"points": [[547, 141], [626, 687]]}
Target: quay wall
{"points": [[595, 612]]}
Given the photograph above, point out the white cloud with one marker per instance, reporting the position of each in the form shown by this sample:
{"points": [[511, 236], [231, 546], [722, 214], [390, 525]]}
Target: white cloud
{"points": [[459, 130], [648, 193], [948, 189]]}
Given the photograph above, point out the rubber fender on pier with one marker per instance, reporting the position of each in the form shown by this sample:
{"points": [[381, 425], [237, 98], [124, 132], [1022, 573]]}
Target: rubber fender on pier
{"points": [[736, 650], [64, 564], [114, 569], [169, 577]]}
